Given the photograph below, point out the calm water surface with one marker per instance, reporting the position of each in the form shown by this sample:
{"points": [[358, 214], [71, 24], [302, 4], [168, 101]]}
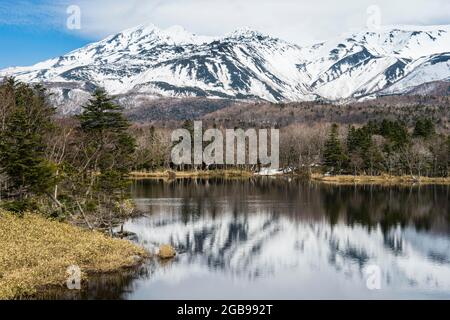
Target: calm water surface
{"points": [[287, 239]]}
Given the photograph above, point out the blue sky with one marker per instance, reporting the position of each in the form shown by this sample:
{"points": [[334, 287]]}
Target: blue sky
{"points": [[26, 45], [35, 30]]}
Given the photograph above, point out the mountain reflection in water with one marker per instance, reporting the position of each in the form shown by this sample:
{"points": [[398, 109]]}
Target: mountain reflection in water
{"points": [[287, 239]]}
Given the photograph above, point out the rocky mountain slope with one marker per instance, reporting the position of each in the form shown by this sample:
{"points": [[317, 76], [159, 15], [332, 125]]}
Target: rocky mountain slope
{"points": [[145, 62]]}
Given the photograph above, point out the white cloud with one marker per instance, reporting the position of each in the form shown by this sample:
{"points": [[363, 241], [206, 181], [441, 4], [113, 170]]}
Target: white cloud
{"points": [[300, 21], [25, 12]]}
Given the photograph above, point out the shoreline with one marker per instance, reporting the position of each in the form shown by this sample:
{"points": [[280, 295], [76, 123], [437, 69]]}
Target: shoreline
{"points": [[36, 253], [382, 179], [332, 179], [169, 174]]}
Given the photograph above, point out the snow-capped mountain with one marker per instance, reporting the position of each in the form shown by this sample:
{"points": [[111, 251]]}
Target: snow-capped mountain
{"points": [[147, 61]]}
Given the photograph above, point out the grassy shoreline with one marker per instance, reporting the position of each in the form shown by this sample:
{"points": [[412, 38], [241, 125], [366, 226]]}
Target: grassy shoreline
{"points": [[336, 179], [383, 179], [36, 253], [168, 174]]}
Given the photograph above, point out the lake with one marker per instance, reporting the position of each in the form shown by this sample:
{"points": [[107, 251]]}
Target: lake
{"points": [[282, 238]]}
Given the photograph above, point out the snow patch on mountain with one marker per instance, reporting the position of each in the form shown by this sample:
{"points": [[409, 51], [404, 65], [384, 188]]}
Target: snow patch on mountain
{"points": [[247, 64]]}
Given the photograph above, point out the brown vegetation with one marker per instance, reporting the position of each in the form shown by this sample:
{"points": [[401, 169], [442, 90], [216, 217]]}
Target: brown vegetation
{"points": [[36, 253], [381, 179]]}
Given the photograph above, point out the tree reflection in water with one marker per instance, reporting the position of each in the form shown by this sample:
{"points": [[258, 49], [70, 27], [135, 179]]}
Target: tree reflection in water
{"points": [[286, 238]]}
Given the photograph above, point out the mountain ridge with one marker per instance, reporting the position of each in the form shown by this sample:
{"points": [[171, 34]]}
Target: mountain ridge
{"points": [[246, 64]]}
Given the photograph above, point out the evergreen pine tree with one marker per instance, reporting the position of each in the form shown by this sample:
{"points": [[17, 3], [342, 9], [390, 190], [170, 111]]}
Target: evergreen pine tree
{"points": [[334, 156], [424, 128], [101, 114], [22, 145], [107, 130], [108, 148]]}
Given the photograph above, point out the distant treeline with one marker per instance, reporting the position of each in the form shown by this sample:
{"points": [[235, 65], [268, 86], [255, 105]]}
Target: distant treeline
{"points": [[388, 147], [378, 147], [170, 112]]}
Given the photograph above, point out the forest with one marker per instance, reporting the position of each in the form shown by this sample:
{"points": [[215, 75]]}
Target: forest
{"points": [[77, 167], [73, 168], [378, 147]]}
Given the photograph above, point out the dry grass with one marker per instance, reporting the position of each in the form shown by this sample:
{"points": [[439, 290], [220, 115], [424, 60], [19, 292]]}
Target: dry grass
{"points": [[383, 179], [338, 179], [35, 253], [192, 174]]}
